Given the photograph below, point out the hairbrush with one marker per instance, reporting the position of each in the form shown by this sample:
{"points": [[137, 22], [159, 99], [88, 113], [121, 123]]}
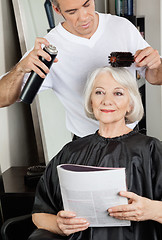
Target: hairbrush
{"points": [[121, 59]]}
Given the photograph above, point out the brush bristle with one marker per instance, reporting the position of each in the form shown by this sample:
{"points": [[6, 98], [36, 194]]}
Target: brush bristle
{"points": [[121, 59]]}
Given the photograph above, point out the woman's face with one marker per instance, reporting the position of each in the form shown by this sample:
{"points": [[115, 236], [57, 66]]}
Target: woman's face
{"points": [[110, 100]]}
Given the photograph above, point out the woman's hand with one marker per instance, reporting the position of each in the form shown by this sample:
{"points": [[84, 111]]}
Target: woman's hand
{"points": [[68, 223], [138, 208]]}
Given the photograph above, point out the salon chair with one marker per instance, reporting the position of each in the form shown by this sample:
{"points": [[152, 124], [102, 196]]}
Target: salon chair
{"points": [[17, 228], [20, 228]]}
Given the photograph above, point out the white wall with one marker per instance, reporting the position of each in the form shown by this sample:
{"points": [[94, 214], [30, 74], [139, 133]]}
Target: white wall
{"points": [[152, 12], [16, 137]]}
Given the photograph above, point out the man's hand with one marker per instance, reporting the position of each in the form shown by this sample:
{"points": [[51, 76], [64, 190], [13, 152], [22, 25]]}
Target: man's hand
{"points": [[11, 83], [150, 58], [147, 57], [32, 61]]}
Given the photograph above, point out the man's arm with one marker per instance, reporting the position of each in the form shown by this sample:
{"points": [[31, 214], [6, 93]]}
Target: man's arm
{"points": [[150, 58], [10, 84], [154, 76]]}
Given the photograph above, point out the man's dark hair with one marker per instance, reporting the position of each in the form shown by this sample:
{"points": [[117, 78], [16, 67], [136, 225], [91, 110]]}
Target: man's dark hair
{"points": [[55, 2]]}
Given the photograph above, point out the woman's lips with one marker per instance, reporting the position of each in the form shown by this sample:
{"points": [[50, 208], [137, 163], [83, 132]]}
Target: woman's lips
{"points": [[107, 110]]}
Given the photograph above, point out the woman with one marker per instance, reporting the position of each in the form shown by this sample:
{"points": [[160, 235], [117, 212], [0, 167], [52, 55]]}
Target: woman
{"points": [[112, 98]]}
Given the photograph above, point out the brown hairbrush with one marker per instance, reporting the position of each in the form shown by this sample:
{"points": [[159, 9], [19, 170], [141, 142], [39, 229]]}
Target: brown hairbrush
{"points": [[121, 59]]}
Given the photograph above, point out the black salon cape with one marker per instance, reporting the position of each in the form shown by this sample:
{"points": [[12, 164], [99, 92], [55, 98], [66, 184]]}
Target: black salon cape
{"points": [[139, 154]]}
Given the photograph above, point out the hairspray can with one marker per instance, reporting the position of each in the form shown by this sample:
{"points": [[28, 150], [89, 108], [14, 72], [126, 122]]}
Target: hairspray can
{"points": [[34, 81]]}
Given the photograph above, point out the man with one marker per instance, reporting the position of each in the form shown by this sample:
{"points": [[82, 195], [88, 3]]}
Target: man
{"points": [[84, 41]]}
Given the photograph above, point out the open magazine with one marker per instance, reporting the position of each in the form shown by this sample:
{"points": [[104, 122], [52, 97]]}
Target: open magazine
{"points": [[90, 191]]}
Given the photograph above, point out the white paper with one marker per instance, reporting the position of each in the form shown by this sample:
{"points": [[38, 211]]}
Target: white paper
{"points": [[90, 191]]}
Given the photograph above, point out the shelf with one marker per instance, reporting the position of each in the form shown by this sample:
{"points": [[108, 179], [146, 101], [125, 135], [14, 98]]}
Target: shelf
{"points": [[13, 179]]}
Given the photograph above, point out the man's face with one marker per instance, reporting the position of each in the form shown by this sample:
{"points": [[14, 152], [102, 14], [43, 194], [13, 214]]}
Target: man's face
{"points": [[80, 17]]}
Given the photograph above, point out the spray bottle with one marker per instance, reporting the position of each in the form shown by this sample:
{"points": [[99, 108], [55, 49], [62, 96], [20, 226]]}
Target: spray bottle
{"points": [[34, 81]]}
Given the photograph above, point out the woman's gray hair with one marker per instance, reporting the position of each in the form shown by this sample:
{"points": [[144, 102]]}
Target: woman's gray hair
{"points": [[124, 78]]}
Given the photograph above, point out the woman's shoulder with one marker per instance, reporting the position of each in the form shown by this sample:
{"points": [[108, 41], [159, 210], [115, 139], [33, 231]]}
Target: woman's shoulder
{"points": [[81, 142], [143, 140], [74, 146]]}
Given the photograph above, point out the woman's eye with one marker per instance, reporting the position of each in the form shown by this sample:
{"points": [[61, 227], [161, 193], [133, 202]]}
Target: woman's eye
{"points": [[99, 92], [118, 93]]}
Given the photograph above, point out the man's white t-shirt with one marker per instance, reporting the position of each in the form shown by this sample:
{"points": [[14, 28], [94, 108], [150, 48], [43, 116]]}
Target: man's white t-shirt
{"points": [[78, 57]]}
